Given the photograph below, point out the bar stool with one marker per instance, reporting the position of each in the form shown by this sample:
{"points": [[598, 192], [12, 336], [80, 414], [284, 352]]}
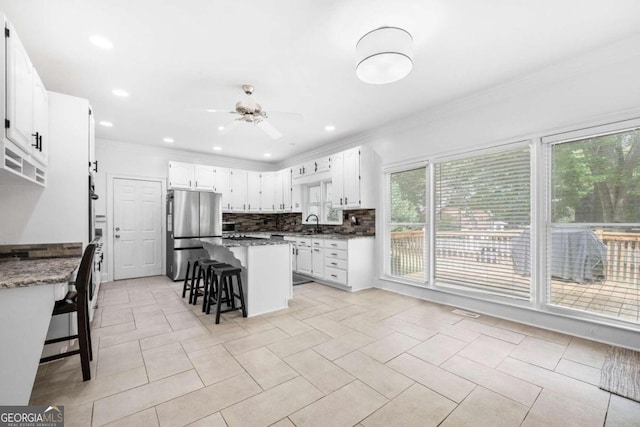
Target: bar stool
{"points": [[193, 265], [222, 278], [205, 273]]}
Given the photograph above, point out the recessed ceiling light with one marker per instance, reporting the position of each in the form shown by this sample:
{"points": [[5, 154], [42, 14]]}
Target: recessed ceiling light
{"points": [[220, 127], [120, 92], [329, 128], [168, 140], [216, 148], [106, 124], [101, 41], [267, 154]]}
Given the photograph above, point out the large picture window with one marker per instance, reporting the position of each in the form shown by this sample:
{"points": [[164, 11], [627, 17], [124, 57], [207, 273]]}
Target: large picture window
{"points": [[594, 226], [406, 224], [482, 222]]}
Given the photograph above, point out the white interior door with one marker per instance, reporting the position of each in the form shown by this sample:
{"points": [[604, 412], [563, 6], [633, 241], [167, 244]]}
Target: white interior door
{"points": [[137, 229]]}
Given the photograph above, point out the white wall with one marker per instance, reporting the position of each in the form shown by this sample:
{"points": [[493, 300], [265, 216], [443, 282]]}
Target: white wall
{"points": [[57, 213]]}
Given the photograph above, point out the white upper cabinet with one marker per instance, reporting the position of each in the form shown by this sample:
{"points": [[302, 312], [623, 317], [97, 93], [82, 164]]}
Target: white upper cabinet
{"points": [[312, 170], [223, 186], [353, 179], [253, 191], [278, 188], [268, 192], [27, 114], [287, 202], [238, 190], [181, 175], [204, 178]]}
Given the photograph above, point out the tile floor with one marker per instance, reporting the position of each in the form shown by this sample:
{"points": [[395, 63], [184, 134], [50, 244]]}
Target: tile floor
{"points": [[371, 358]]}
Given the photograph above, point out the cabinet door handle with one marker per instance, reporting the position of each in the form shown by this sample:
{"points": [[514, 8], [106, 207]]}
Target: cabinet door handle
{"points": [[334, 244], [196, 183], [334, 263], [340, 201], [95, 166], [35, 135], [333, 275], [189, 183], [316, 163], [334, 254], [345, 201], [317, 250]]}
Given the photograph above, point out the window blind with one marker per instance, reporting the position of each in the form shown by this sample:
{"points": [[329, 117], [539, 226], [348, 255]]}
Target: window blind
{"points": [[482, 222]]}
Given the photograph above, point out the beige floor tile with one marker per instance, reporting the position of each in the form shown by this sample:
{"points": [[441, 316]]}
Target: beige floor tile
{"points": [[230, 333], [532, 331], [376, 375], [272, 405], [362, 325], [204, 402], [116, 317], [313, 311], [408, 329], [492, 331], [183, 320], [447, 384], [622, 412], [539, 352], [456, 331], [146, 418], [88, 391], [333, 301], [290, 324], [254, 341], [151, 320], [416, 406], [172, 337], [499, 382], [213, 420], [320, 372], [437, 349], [555, 382], [215, 364], [579, 371], [162, 362], [118, 358], [427, 312], [344, 407], [135, 400], [328, 326], [112, 330], [340, 346], [251, 324], [298, 343], [267, 369], [135, 335], [486, 408], [345, 312], [77, 416], [488, 351], [586, 352], [552, 409], [285, 422], [389, 347]]}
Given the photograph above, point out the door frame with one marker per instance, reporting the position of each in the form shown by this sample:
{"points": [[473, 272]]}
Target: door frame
{"points": [[108, 235]]}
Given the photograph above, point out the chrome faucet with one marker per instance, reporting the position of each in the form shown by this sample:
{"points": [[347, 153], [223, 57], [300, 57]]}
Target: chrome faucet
{"points": [[317, 222]]}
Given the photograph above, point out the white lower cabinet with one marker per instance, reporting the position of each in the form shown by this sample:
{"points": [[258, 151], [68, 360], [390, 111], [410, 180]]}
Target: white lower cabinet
{"points": [[303, 262], [317, 258]]}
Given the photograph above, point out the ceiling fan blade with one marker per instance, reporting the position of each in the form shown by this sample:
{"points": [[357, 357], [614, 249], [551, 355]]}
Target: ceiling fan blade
{"points": [[229, 126], [287, 115], [211, 110], [269, 129]]}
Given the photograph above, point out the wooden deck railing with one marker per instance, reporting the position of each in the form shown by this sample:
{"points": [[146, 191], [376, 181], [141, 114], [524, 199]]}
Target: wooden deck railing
{"points": [[407, 250]]}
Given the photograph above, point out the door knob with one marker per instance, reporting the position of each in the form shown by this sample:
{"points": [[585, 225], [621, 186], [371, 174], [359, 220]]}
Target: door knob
{"points": [[117, 228], [117, 236]]}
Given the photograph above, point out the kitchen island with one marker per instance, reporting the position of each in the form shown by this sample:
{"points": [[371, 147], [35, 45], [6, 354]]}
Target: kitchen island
{"points": [[266, 270], [28, 291]]}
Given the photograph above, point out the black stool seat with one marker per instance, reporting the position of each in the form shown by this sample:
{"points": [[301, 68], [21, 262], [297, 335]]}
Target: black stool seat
{"points": [[222, 280], [193, 283], [206, 272]]}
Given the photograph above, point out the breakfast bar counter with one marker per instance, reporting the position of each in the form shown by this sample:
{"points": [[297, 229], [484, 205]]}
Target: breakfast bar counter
{"points": [[28, 291]]}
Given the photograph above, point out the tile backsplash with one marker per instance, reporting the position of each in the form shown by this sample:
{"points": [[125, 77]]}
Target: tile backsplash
{"points": [[365, 222], [41, 250]]}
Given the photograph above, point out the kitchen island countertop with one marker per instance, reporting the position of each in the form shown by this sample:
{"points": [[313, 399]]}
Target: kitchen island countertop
{"points": [[34, 272]]}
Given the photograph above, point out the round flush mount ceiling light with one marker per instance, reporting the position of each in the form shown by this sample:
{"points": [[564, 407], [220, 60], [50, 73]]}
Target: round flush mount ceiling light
{"points": [[216, 148], [384, 55], [120, 92], [329, 128], [168, 140], [106, 124]]}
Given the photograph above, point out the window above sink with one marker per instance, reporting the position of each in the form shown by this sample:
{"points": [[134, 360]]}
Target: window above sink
{"points": [[316, 200]]}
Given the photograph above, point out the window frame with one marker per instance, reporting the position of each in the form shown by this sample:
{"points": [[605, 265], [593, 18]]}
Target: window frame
{"points": [[323, 206]]}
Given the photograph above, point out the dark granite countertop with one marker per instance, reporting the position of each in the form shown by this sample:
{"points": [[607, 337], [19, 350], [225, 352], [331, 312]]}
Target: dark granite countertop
{"points": [[34, 272], [336, 236], [228, 243]]}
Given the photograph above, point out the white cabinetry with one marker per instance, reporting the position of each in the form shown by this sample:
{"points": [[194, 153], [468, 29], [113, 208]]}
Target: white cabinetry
{"points": [[303, 261], [223, 186], [40, 120], [238, 190], [317, 258], [283, 190], [204, 178], [268, 191], [313, 170], [253, 191], [181, 175], [353, 179]]}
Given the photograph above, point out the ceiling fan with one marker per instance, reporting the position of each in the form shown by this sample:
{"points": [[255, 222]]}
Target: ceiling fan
{"points": [[249, 111]]}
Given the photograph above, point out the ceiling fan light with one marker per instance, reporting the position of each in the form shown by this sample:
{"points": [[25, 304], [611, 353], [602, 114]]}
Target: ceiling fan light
{"points": [[384, 55]]}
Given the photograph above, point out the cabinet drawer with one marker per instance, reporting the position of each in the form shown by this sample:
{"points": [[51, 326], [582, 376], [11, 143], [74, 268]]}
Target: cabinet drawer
{"points": [[303, 242], [336, 263], [317, 243], [336, 244], [335, 275], [335, 253]]}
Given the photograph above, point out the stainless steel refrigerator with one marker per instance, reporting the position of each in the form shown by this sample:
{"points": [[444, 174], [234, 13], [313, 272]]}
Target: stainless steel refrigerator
{"points": [[191, 215]]}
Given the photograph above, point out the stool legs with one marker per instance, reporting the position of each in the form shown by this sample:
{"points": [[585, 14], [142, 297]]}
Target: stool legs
{"points": [[186, 280]]}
